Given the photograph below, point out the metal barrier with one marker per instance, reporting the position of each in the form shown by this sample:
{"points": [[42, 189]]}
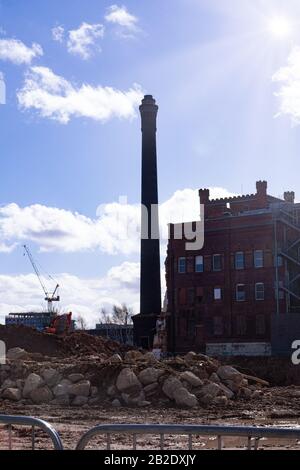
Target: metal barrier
{"points": [[253, 434], [34, 423]]}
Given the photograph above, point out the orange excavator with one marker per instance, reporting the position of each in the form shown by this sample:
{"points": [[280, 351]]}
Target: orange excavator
{"points": [[61, 325]]}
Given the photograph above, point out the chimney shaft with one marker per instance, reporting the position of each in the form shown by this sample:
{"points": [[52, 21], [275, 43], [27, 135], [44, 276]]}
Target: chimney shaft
{"points": [[150, 287]]}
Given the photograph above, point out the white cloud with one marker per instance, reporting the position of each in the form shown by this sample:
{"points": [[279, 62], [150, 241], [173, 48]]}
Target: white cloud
{"points": [[17, 52], [85, 40], [83, 297], [121, 17], [116, 229], [58, 33], [289, 93], [56, 98]]}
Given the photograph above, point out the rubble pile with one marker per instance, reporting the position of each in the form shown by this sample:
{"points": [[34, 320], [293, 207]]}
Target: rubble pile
{"points": [[77, 343], [130, 379]]}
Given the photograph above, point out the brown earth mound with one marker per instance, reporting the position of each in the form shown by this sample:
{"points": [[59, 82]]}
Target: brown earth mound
{"points": [[78, 343]]}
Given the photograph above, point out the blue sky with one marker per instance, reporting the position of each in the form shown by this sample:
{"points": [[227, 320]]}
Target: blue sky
{"points": [[214, 67]]}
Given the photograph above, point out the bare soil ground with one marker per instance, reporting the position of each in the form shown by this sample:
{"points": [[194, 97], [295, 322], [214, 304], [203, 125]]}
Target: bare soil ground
{"points": [[279, 406]]}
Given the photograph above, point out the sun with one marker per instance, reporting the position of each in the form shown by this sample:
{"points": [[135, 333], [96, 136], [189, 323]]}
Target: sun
{"points": [[280, 27]]}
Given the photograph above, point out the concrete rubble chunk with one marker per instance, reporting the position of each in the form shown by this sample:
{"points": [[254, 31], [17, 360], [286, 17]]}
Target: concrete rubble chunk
{"points": [[51, 377], [20, 384], [227, 392], [80, 389], [16, 354], [215, 378], [128, 382], [150, 389], [12, 394], [116, 359], [191, 379], [62, 400], [191, 356], [132, 356], [32, 382], [8, 383], [74, 378], [230, 373], [61, 390], [41, 395], [211, 390], [116, 403], [184, 398], [170, 385], [80, 401], [233, 386], [150, 375], [220, 401], [112, 391], [149, 357]]}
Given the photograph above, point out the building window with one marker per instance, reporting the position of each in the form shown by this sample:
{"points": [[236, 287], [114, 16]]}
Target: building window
{"points": [[191, 296], [241, 325], [217, 262], [199, 264], [279, 261], [258, 259], [259, 291], [240, 293], [182, 265], [239, 260], [218, 326], [260, 325], [217, 293]]}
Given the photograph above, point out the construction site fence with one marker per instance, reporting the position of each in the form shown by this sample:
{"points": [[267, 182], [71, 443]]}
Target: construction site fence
{"points": [[10, 422], [254, 437]]}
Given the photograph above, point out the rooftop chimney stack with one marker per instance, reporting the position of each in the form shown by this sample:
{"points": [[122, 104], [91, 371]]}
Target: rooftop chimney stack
{"points": [[204, 196], [289, 196], [261, 188]]}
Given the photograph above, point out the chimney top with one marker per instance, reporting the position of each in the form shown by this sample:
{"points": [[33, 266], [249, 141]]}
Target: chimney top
{"points": [[289, 196], [261, 188], [204, 196], [148, 99]]}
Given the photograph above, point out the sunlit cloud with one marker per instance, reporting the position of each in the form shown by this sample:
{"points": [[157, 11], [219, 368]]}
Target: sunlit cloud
{"points": [[126, 22], [84, 41], [115, 230], [17, 52], [289, 93], [53, 97]]}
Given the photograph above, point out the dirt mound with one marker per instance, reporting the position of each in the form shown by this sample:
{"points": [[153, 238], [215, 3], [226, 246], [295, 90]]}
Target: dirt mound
{"points": [[78, 343]]}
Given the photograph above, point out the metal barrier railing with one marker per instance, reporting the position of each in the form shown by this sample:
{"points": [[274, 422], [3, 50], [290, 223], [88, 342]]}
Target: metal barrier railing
{"points": [[33, 423], [253, 434]]}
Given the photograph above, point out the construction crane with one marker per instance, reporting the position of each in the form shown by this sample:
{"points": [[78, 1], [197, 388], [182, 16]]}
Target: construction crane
{"points": [[50, 298]]}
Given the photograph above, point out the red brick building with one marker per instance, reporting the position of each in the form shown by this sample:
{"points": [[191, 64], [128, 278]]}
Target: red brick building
{"points": [[222, 298]]}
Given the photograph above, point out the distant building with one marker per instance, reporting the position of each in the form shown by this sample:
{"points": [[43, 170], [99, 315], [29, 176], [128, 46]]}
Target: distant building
{"points": [[233, 296], [37, 320], [120, 333]]}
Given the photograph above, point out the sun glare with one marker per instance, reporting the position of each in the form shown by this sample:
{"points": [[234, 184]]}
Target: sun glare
{"points": [[280, 27]]}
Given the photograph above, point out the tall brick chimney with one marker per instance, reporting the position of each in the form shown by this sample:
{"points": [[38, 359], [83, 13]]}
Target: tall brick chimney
{"points": [[150, 281]]}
